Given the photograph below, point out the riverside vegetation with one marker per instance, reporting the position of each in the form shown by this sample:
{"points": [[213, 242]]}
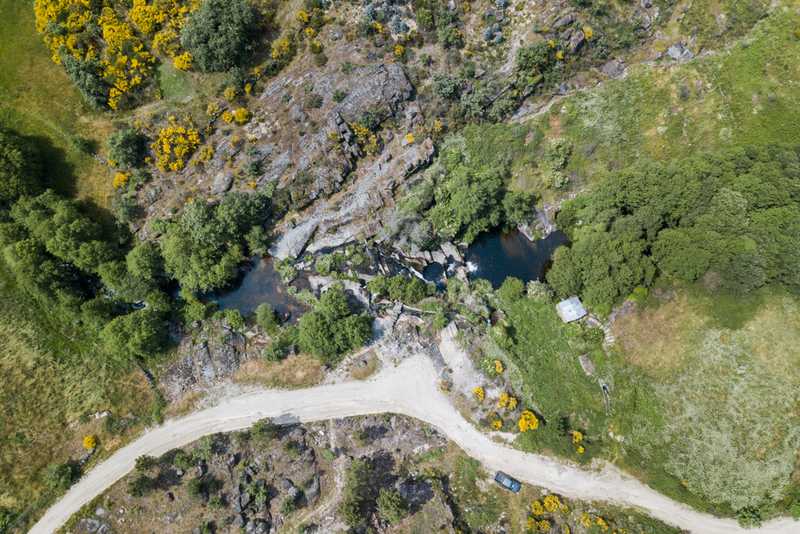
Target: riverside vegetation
{"points": [[113, 100]]}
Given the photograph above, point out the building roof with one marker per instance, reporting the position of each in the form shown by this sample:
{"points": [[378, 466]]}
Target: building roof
{"points": [[570, 309]]}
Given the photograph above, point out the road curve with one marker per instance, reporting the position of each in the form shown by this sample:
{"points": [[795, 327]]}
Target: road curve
{"points": [[409, 389]]}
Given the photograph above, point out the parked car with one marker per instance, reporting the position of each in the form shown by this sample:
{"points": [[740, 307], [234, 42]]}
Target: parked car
{"points": [[507, 482]]}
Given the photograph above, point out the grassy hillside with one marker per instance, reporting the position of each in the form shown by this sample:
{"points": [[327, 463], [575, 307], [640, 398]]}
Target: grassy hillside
{"points": [[747, 94], [50, 384], [37, 99]]}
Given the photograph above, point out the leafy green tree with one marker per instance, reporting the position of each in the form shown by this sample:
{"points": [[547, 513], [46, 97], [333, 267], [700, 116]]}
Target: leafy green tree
{"points": [[331, 328], [204, 247], [220, 34], [87, 78], [391, 506], [59, 477], [20, 168], [356, 494], [265, 318], [144, 261], [140, 333], [127, 148]]}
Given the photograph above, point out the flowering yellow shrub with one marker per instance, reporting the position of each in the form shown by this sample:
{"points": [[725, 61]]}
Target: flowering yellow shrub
{"points": [[241, 115], [205, 154], [536, 508], [551, 43], [63, 25], [498, 367], [227, 116], [577, 436], [125, 60], [580, 449], [438, 126], [409, 138], [600, 522], [248, 88], [560, 55], [399, 51], [588, 32], [586, 520], [361, 131], [310, 32], [543, 525], [281, 48], [120, 180], [175, 145], [527, 421], [183, 61], [303, 16], [377, 26], [479, 393], [89, 442], [212, 109], [552, 503]]}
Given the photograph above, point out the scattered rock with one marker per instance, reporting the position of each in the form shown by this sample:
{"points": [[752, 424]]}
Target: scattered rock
{"points": [[679, 52], [222, 183]]}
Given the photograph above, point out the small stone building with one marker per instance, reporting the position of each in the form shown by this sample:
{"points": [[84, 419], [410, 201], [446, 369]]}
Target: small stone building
{"points": [[570, 309]]}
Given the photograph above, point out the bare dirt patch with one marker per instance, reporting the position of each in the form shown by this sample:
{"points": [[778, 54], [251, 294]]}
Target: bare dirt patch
{"points": [[293, 372]]}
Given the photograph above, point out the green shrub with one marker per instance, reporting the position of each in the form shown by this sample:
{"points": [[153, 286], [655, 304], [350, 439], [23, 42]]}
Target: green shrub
{"points": [[87, 78], [20, 168], [392, 508], [220, 34], [331, 328], [59, 477], [127, 148]]}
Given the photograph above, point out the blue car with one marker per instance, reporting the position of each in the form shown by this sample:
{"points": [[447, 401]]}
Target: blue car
{"points": [[507, 482]]}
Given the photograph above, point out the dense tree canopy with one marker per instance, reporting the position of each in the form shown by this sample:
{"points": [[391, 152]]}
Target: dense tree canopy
{"points": [[20, 168], [220, 34], [331, 328], [470, 194], [205, 245], [733, 216]]}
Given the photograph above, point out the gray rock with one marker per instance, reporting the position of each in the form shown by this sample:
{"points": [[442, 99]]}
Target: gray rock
{"points": [[679, 52], [222, 182], [313, 489], [566, 20], [202, 361], [257, 526], [576, 41], [613, 69]]}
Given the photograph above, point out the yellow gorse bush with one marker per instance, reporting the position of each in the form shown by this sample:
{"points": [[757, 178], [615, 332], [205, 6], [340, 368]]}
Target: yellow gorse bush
{"points": [[536, 508], [89, 442], [498, 367], [479, 393], [120, 179], [122, 45], [175, 145], [241, 115], [527, 421], [183, 61], [552, 503]]}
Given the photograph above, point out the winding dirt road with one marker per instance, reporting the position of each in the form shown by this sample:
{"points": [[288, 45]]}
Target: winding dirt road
{"points": [[409, 389]]}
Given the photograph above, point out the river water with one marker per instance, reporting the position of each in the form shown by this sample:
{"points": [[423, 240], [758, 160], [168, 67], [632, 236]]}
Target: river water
{"points": [[260, 284], [498, 255]]}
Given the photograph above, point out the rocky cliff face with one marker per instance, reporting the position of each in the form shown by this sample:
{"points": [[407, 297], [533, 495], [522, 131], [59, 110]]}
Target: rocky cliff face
{"points": [[203, 361]]}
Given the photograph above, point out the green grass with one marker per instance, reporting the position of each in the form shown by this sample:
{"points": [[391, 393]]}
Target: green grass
{"points": [[174, 84], [51, 377], [37, 99]]}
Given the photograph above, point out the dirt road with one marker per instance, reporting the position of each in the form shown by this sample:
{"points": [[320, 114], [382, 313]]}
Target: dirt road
{"points": [[408, 389]]}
